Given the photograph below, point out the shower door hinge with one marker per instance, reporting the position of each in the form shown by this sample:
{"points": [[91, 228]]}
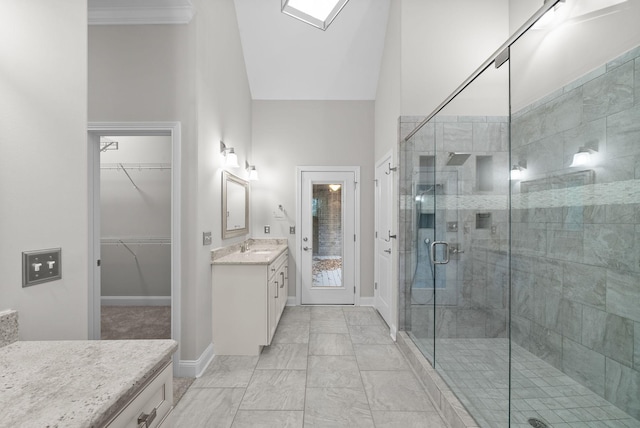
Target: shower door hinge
{"points": [[98, 262], [354, 238], [502, 57]]}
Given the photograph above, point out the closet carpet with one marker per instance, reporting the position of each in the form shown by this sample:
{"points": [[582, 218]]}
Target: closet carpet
{"points": [[141, 322], [135, 322]]}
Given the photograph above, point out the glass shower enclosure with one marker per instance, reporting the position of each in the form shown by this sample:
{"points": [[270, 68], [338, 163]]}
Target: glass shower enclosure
{"points": [[519, 212]]}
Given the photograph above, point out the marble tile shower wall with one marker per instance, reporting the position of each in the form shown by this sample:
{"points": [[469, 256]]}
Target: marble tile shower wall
{"points": [[473, 300], [576, 232]]}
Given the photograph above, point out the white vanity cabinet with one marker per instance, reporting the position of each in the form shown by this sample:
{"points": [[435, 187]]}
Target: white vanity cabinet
{"points": [[249, 293]]}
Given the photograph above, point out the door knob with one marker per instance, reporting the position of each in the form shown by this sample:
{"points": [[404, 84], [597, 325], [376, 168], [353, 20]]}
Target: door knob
{"points": [[388, 251], [306, 248], [305, 239]]}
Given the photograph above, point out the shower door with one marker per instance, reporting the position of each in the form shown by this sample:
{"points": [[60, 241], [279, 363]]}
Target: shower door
{"points": [[456, 269]]}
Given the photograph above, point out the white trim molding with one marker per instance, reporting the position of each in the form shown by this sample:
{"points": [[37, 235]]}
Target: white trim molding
{"points": [[366, 301], [135, 300], [330, 168], [195, 368], [140, 15], [95, 130]]}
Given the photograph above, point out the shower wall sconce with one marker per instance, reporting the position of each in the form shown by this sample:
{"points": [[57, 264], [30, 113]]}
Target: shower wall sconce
{"points": [[253, 172], [230, 157], [516, 171], [582, 157]]}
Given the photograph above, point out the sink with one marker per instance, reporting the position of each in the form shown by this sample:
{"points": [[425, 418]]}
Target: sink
{"points": [[260, 252]]}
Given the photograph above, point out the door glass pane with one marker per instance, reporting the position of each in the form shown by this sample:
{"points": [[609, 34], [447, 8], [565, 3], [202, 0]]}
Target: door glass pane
{"points": [[327, 235]]}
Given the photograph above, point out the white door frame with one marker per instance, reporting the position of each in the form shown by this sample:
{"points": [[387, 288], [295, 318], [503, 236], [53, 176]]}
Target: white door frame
{"points": [[387, 158], [95, 130], [356, 172]]}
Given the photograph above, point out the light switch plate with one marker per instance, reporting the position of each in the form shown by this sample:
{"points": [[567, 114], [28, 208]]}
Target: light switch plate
{"points": [[292, 230], [206, 238], [41, 266]]}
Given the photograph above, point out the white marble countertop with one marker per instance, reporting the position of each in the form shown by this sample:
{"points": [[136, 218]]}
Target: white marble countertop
{"points": [[78, 383], [261, 252]]}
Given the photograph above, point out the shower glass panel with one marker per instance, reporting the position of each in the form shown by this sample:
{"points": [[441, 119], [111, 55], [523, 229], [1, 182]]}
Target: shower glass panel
{"points": [[520, 227], [456, 170], [575, 88]]}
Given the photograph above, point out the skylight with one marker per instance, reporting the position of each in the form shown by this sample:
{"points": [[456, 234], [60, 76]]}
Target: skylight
{"points": [[319, 13]]}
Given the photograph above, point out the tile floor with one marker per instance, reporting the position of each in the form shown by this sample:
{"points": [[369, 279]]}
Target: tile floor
{"points": [[327, 367], [477, 371]]}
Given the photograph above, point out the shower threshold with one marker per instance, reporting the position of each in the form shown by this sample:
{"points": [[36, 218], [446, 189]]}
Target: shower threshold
{"points": [[475, 372]]}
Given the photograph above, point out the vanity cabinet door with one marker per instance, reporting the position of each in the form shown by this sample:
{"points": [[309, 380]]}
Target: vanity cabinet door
{"points": [[283, 290], [273, 305]]}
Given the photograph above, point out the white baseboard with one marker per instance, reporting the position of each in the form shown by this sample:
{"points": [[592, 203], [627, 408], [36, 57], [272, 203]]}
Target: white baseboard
{"points": [[393, 330], [195, 368], [135, 300], [366, 301]]}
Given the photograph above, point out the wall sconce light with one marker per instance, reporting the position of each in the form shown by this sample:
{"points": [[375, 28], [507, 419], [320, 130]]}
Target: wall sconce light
{"points": [[253, 172], [334, 187], [582, 157], [230, 157], [516, 171]]}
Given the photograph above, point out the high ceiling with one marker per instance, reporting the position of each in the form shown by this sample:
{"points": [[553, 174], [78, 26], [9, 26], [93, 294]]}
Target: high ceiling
{"points": [[289, 60], [286, 59]]}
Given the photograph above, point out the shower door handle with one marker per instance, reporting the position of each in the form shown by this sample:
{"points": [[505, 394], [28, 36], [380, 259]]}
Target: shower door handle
{"points": [[433, 253]]}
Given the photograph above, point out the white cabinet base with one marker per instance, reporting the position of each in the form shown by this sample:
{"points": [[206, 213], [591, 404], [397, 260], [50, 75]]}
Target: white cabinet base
{"points": [[247, 302]]}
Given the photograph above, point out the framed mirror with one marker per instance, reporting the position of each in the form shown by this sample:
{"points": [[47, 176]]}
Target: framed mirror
{"points": [[235, 206]]}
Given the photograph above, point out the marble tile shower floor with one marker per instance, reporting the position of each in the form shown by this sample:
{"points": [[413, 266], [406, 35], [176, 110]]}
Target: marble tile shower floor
{"points": [[327, 367], [477, 372]]}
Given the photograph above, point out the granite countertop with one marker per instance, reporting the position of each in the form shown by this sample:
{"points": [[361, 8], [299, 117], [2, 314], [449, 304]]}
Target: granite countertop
{"points": [[261, 252], [74, 383]]}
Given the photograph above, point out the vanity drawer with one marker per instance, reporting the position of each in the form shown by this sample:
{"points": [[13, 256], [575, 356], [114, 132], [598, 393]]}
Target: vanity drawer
{"points": [[275, 265], [151, 406]]}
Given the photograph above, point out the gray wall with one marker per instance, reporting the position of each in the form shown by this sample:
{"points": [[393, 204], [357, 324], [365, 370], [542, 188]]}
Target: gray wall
{"points": [[43, 167], [175, 73], [576, 231], [312, 133]]}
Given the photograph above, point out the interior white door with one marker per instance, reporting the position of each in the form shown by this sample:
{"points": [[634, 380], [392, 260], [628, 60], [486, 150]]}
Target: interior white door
{"points": [[328, 247], [383, 244], [94, 237]]}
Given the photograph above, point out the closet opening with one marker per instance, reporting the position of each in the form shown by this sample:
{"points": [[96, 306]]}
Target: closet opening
{"points": [[134, 232], [135, 237]]}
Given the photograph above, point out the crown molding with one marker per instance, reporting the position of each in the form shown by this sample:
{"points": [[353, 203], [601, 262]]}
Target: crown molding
{"points": [[140, 15]]}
